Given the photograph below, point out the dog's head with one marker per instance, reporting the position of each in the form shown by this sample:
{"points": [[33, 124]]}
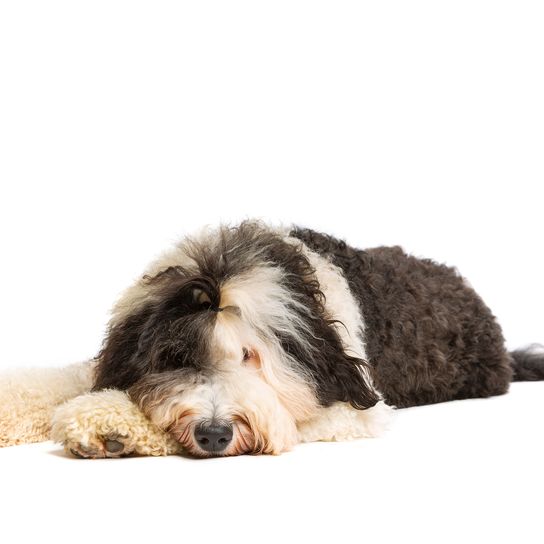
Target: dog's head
{"points": [[226, 344]]}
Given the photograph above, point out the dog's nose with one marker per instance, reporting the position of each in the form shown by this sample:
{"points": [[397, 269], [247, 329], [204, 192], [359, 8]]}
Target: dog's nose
{"points": [[213, 438]]}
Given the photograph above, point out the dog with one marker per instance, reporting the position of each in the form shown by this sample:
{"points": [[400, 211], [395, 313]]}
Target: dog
{"points": [[251, 339]]}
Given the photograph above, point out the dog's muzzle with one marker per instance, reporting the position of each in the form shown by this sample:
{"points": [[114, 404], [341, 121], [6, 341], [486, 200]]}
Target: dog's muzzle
{"points": [[213, 438]]}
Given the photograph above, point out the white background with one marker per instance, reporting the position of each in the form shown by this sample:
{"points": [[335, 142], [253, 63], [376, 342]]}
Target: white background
{"points": [[124, 125]]}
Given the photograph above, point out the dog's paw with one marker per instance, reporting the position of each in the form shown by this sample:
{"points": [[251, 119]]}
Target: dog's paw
{"points": [[341, 422], [108, 424], [99, 447]]}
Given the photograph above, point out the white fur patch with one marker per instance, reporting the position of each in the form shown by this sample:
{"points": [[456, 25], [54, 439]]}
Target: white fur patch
{"points": [[266, 306], [233, 395], [343, 422], [340, 304]]}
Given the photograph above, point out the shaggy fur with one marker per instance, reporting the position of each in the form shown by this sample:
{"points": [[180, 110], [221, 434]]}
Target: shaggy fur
{"points": [[172, 329], [429, 336], [252, 339]]}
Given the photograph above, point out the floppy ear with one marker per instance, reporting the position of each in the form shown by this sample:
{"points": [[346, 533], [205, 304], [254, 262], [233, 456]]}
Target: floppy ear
{"points": [[337, 375], [119, 364], [347, 381], [167, 333]]}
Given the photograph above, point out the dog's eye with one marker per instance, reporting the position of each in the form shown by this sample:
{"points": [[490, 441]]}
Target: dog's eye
{"points": [[251, 358], [248, 355], [201, 298]]}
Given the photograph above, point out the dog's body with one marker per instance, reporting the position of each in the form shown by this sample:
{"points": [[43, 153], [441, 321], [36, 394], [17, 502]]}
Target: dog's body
{"points": [[251, 339]]}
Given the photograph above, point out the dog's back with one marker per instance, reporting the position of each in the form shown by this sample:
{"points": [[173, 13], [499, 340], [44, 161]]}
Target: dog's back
{"points": [[429, 336]]}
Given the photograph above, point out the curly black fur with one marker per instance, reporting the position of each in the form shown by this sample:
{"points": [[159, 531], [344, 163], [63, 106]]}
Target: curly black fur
{"points": [[429, 336]]}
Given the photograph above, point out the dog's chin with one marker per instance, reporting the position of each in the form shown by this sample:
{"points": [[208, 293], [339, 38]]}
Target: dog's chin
{"points": [[243, 440], [198, 453]]}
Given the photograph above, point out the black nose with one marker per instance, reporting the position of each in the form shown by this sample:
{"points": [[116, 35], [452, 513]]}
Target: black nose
{"points": [[213, 438]]}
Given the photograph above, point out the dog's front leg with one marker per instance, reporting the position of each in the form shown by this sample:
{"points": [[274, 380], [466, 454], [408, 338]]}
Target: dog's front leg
{"points": [[108, 424], [341, 422]]}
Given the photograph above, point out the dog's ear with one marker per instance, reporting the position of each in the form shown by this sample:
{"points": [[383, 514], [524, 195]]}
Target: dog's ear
{"points": [[337, 375], [120, 363], [347, 379], [168, 332]]}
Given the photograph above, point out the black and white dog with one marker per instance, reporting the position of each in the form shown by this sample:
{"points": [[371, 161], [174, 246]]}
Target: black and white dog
{"points": [[251, 339]]}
